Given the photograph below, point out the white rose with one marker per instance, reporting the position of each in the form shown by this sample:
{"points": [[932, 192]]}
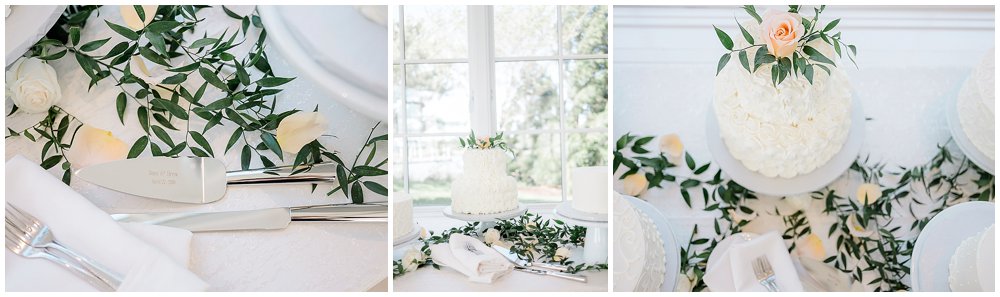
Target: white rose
{"points": [[131, 17], [492, 236], [561, 253], [33, 85], [423, 233], [299, 129], [94, 146], [412, 259]]}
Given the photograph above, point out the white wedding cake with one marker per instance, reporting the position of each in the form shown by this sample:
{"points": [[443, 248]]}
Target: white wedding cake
{"points": [[590, 189], [973, 263], [484, 187], [402, 215], [639, 255], [977, 107], [784, 130]]}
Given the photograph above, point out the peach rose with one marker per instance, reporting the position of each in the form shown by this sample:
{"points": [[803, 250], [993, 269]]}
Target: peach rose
{"points": [[95, 146], [781, 31], [868, 193], [672, 145], [636, 184]]}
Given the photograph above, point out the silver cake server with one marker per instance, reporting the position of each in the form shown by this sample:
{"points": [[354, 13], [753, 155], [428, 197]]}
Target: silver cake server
{"points": [[260, 219], [192, 180]]}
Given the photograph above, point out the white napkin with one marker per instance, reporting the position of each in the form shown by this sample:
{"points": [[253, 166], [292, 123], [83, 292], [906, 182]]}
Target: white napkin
{"points": [[485, 267], [126, 249], [734, 271]]}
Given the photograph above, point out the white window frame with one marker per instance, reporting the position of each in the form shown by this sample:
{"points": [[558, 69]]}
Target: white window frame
{"points": [[482, 87]]}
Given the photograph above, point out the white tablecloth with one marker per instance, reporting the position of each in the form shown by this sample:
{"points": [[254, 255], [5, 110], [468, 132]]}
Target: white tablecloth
{"points": [[911, 59], [445, 279], [307, 256]]}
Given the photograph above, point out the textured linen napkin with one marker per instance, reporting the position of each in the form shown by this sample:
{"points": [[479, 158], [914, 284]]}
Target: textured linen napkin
{"points": [[484, 265], [734, 272], [147, 257]]}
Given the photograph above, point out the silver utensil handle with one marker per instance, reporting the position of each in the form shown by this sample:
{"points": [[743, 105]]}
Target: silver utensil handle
{"points": [[342, 213], [98, 270], [563, 275], [77, 269], [317, 173], [547, 266]]}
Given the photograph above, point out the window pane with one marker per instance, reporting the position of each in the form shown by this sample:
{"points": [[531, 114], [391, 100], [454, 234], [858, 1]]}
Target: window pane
{"points": [[434, 162], [436, 32], [397, 98], [536, 166], [526, 95], [398, 160], [437, 98], [587, 149], [524, 30], [585, 29], [586, 86], [397, 42]]}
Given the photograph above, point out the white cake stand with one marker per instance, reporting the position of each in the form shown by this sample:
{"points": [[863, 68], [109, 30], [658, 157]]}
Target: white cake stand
{"points": [[803, 183], [962, 140], [401, 245], [595, 244], [486, 221]]}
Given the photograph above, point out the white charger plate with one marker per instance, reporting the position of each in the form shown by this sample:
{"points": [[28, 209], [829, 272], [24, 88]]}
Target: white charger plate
{"points": [[803, 183], [939, 240], [26, 25], [567, 211], [961, 139], [670, 247], [336, 47]]}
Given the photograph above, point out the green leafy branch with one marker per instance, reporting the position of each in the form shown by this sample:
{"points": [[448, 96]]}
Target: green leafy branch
{"points": [[495, 141]]}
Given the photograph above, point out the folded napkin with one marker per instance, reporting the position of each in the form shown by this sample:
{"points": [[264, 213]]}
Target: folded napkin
{"points": [[484, 265], [734, 270], [148, 258]]}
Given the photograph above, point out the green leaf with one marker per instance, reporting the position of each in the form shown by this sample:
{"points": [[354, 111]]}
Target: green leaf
{"points": [[815, 55], [219, 104], [200, 140], [746, 35], [342, 177], [368, 171], [162, 26], [761, 58], [377, 188], [831, 25], [689, 160], [245, 157], [74, 35], [51, 161], [138, 147], [173, 108], [139, 11], [186, 68], [722, 62], [175, 79], [123, 31], [357, 193], [752, 11], [152, 56], [212, 79], [232, 139], [268, 82], [93, 45], [272, 144], [54, 56], [690, 183], [745, 61], [116, 50], [120, 103], [142, 114], [162, 135], [808, 72], [727, 42]]}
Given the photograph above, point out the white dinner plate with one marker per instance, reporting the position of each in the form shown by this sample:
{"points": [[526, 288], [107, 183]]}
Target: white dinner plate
{"points": [[566, 210], [521, 209], [803, 183], [338, 48], [961, 139], [26, 25], [670, 246], [939, 240]]}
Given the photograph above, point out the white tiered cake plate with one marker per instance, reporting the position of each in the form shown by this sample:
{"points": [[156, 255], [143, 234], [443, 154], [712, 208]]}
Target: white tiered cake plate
{"points": [[961, 139], [581, 218], [803, 183], [939, 240], [673, 256]]}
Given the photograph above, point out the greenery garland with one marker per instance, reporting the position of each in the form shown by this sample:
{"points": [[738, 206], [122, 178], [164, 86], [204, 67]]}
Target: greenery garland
{"points": [[879, 259], [249, 85], [530, 236]]}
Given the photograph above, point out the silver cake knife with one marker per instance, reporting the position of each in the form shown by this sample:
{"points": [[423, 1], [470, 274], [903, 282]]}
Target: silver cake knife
{"points": [[260, 219]]}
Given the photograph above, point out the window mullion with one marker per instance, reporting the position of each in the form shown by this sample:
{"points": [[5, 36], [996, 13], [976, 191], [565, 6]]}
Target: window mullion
{"points": [[402, 109], [562, 105], [482, 113]]}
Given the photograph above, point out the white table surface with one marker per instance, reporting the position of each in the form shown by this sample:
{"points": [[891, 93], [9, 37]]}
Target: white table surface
{"points": [[434, 280], [911, 59], [307, 256]]}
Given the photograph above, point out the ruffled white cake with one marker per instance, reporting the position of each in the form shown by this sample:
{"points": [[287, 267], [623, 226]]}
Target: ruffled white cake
{"points": [[484, 187], [977, 107], [787, 130], [590, 189], [402, 215], [639, 256], [966, 266]]}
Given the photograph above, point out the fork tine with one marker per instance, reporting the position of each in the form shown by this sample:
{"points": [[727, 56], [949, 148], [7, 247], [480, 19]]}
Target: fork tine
{"points": [[767, 266], [28, 222]]}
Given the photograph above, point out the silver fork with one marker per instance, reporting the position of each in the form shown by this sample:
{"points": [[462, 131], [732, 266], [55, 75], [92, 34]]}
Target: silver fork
{"points": [[31, 238], [765, 275], [472, 248]]}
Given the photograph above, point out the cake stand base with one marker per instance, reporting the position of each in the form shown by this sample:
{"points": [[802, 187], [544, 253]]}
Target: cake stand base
{"points": [[486, 221], [595, 244]]}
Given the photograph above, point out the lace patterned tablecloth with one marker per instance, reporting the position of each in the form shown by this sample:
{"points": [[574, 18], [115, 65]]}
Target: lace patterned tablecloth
{"points": [[307, 256], [910, 61]]}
